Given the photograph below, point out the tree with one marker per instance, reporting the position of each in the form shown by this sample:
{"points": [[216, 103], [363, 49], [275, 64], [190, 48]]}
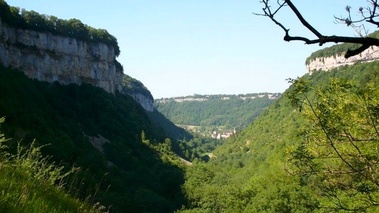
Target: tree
{"points": [[368, 14], [338, 157]]}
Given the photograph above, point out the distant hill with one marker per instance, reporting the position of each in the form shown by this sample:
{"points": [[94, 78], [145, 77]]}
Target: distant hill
{"points": [[207, 111]]}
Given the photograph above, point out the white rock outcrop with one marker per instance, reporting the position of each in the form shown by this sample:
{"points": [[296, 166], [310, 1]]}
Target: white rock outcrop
{"points": [[146, 102], [327, 63], [48, 57]]}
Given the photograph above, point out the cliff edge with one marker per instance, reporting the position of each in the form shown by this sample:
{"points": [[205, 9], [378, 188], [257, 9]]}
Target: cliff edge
{"points": [[330, 62], [48, 56], [333, 56]]}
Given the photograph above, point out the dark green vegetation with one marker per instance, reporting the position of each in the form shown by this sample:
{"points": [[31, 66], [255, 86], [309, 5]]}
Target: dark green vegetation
{"points": [[207, 111], [131, 85], [336, 49], [314, 150], [29, 183], [43, 23], [122, 172]]}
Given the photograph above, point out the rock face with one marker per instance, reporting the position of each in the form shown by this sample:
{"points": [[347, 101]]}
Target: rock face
{"points": [[146, 102], [327, 63], [48, 57]]}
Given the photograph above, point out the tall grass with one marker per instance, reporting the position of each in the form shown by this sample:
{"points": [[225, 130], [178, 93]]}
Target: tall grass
{"points": [[29, 182]]}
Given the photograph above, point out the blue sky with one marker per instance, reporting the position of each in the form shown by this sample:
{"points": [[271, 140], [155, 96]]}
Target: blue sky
{"points": [[183, 47]]}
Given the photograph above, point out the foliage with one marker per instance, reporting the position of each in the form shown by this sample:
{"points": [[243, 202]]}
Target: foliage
{"points": [[33, 164], [72, 118], [30, 183], [203, 146], [246, 174], [170, 129], [341, 143], [288, 159], [230, 111], [133, 86], [43, 23]]}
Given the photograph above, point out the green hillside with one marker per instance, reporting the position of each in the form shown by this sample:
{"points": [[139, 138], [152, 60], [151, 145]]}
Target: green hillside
{"points": [[77, 148], [313, 150], [101, 133], [207, 111]]}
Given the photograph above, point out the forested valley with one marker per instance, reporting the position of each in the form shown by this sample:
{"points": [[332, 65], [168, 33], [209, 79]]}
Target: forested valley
{"points": [[314, 150], [215, 112], [77, 148]]}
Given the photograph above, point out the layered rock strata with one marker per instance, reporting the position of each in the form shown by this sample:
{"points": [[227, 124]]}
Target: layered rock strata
{"points": [[327, 63], [48, 57]]}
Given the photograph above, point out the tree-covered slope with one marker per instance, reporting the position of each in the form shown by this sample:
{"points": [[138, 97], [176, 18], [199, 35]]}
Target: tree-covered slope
{"points": [[311, 151], [230, 111], [99, 132]]}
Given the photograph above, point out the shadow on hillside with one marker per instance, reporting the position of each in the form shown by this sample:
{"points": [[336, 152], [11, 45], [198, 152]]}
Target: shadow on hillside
{"points": [[129, 177]]}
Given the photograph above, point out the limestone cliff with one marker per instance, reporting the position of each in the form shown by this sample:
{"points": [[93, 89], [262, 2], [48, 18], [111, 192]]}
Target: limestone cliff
{"points": [[327, 63], [146, 102], [49, 57], [139, 92]]}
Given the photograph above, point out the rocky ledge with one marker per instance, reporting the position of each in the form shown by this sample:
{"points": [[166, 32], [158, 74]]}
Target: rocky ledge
{"points": [[327, 63], [48, 57]]}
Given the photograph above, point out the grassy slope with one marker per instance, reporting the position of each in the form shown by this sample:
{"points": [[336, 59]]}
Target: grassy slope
{"points": [[30, 183]]}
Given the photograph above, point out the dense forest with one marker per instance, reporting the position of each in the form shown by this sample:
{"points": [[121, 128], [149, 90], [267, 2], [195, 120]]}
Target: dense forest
{"points": [[103, 134], [314, 150], [228, 111], [77, 148]]}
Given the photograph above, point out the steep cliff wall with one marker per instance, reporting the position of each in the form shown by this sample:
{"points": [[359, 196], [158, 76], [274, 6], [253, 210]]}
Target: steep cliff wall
{"points": [[138, 91], [146, 102], [48, 57], [327, 63]]}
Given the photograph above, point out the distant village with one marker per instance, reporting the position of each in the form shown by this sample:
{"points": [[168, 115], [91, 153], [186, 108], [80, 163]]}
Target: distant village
{"points": [[224, 135], [216, 133]]}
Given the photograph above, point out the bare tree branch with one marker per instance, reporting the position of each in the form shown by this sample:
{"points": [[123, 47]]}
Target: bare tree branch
{"points": [[321, 39]]}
